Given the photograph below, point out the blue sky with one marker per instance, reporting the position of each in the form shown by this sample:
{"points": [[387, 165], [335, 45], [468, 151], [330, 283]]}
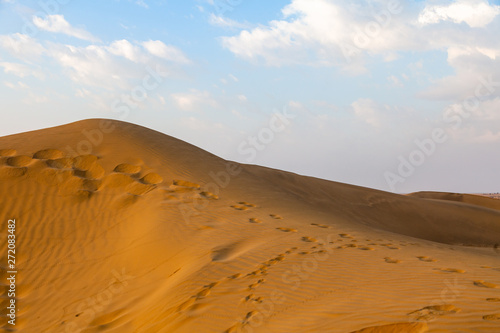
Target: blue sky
{"points": [[395, 95]]}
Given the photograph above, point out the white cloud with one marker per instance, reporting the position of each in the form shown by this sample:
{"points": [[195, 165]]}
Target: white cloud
{"points": [[57, 24], [193, 100], [395, 81], [476, 13], [224, 22], [325, 33], [18, 85], [120, 65], [142, 3], [368, 111], [21, 46], [21, 70], [346, 34], [474, 122], [125, 49], [167, 52], [471, 67]]}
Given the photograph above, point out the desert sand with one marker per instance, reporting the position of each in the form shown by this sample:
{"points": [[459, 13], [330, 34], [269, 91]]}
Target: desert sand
{"points": [[120, 228]]}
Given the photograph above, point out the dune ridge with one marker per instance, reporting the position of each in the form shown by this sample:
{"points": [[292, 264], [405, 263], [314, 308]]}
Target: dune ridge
{"points": [[125, 229]]}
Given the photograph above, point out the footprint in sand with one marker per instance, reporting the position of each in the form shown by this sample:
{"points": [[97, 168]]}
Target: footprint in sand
{"points": [[426, 259], [493, 299], [276, 217], [209, 195], [127, 169], [256, 284], [287, 229], [481, 283], [19, 161], [254, 220], [239, 207], [152, 178], [431, 312], [366, 248], [185, 183], [397, 327], [272, 261], [48, 154], [252, 298], [346, 236], [249, 205], [60, 163], [206, 290], [495, 316], [390, 246], [309, 239], [8, 172], [320, 225], [234, 276], [86, 166], [450, 270], [391, 260], [258, 272], [243, 205]]}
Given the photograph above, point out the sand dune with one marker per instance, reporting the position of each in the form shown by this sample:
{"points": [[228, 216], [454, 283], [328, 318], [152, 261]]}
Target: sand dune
{"points": [[123, 229], [459, 197]]}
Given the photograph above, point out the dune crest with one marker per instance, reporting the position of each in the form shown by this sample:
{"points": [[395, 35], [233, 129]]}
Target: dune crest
{"points": [[124, 229]]}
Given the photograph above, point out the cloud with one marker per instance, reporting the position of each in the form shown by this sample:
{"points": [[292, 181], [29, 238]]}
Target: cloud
{"points": [[167, 52], [142, 3], [224, 22], [326, 33], [125, 49], [368, 111], [472, 66], [476, 13], [21, 46], [17, 86], [395, 81], [347, 35], [193, 100], [21, 70], [57, 24]]}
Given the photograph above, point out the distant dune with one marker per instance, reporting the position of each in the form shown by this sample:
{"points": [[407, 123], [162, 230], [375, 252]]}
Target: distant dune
{"points": [[470, 199], [120, 228]]}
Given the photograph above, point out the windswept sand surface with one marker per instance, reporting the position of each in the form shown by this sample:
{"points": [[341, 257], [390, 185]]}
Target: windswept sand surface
{"points": [[123, 229]]}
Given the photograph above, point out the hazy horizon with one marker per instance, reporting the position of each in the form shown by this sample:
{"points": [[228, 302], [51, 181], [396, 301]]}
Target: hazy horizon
{"points": [[401, 96]]}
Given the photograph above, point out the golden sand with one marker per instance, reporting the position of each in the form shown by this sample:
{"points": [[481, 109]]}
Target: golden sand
{"points": [[123, 229]]}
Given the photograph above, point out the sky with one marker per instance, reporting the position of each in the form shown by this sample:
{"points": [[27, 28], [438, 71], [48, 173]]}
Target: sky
{"points": [[396, 95]]}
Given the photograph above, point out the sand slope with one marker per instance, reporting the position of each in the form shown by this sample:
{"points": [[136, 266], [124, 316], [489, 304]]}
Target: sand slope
{"points": [[459, 197], [124, 229]]}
